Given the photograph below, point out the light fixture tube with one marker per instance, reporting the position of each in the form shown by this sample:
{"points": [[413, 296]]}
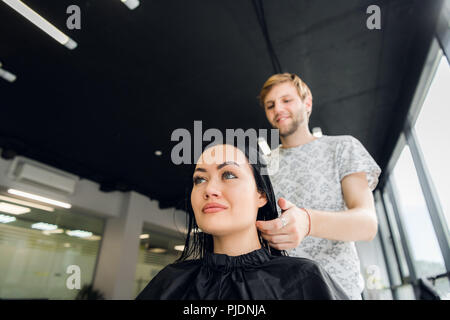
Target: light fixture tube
{"points": [[41, 23], [39, 198]]}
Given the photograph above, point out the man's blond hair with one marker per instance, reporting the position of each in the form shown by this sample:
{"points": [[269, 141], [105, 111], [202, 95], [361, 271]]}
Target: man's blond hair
{"points": [[302, 89]]}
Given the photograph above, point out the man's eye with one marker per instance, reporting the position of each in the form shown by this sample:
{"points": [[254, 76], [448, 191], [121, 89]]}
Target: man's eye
{"points": [[269, 107], [286, 101], [197, 180], [228, 175]]}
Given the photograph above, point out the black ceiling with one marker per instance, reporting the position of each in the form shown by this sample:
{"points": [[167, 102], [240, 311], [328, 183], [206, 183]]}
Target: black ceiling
{"points": [[100, 111]]}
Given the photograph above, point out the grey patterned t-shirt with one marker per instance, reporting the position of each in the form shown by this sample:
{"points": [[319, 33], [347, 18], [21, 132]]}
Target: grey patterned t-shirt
{"points": [[310, 176]]}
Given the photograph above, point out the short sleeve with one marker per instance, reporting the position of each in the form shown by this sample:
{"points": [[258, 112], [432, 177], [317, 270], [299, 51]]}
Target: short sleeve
{"points": [[353, 157]]}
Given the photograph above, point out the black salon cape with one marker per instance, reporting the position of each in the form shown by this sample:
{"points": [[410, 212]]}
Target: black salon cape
{"points": [[257, 275]]}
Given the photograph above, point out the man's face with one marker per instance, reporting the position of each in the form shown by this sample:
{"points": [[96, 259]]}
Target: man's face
{"points": [[284, 108]]}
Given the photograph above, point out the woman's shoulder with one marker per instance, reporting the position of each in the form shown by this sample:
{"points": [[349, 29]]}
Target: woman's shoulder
{"points": [[178, 272], [181, 266]]}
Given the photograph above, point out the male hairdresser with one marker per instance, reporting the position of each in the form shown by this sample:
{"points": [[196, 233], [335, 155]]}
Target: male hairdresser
{"points": [[323, 186]]}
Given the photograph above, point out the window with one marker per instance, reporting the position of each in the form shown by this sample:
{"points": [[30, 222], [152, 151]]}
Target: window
{"points": [[421, 238], [34, 262], [416, 219], [433, 134], [155, 252]]}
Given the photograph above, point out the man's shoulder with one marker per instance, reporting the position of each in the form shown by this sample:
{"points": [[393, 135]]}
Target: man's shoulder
{"points": [[338, 139]]}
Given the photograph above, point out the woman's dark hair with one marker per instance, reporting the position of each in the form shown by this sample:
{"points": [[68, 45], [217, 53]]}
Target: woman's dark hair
{"points": [[198, 243]]}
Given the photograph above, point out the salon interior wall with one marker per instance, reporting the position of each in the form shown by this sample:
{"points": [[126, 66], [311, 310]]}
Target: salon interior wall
{"points": [[124, 214]]}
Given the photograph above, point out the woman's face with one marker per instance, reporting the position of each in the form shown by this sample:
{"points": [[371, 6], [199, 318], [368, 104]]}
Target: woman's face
{"points": [[224, 194]]}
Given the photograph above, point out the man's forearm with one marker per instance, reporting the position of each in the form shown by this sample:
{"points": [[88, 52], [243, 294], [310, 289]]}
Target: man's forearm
{"points": [[357, 224]]}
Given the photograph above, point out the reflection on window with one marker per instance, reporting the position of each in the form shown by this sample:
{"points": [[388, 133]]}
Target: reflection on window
{"points": [[155, 252], [433, 133], [37, 246], [425, 251]]}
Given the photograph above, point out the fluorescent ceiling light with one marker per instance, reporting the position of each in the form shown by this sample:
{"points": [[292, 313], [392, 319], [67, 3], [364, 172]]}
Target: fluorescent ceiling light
{"points": [[6, 219], [8, 76], [131, 4], [12, 208], [39, 198], [144, 236], [26, 203], [179, 247], [41, 23], [317, 132], [264, 146], [44, 226], [79, 233]]}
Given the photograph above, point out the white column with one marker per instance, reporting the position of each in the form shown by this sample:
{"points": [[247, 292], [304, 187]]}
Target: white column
{"points": [[116, 266]]}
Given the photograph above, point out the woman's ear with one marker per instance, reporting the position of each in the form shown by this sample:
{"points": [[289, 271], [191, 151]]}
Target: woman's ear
{"points": [[262, 199]]}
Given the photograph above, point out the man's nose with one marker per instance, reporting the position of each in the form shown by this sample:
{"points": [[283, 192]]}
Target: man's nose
{"points": [[277, 107]]}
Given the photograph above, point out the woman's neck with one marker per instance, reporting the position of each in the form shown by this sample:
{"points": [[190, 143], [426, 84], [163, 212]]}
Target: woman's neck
{"points": [[237, 244]]}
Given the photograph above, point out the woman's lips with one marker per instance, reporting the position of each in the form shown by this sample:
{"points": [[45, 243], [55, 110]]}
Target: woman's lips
{"points": [[213, 210], [213, 207]]}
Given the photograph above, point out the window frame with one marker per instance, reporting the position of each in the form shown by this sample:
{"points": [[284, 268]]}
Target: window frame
{"points": [[392, 217]]}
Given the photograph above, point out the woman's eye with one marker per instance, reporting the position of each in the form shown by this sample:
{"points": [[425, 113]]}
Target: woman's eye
{"points": [[270, 107], [286, 101], [228, 175], [197, 180]]}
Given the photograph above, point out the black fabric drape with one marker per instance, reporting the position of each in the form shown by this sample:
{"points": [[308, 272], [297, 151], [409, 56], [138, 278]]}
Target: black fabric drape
{"points": [[257, 275]]}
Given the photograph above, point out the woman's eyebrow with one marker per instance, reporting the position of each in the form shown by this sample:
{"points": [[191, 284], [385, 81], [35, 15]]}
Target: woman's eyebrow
{"points": [[220, 166]]}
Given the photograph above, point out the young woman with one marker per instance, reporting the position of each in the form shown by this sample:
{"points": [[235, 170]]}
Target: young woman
{"points": [[230, 258]]}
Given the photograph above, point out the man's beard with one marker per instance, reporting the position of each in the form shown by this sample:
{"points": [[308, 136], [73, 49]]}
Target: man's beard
{"points": [[292, 128]]}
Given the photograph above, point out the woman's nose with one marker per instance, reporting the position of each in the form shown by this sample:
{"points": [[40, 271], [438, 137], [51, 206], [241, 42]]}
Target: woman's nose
{"points": [[212, 190]]}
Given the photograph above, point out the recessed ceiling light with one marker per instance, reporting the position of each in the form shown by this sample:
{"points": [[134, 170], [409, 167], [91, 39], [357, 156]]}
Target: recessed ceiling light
{"points": [[54, 231], [6, 219], [41, 23], [144, 236], [79, 233], [94, 238], [157, 250], [12, 208], [26, 203], [179, 247], [44, 226], [158, 153], [39, 198]]}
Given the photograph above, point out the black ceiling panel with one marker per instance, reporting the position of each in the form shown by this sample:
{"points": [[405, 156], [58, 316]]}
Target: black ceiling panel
{"points": [[101, 110]]}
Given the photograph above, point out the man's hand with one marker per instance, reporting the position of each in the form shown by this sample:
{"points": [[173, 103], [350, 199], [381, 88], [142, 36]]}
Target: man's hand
{"points": [[293, 232]]}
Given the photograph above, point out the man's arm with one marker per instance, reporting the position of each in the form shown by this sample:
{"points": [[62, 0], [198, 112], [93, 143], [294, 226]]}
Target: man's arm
{"points": [[358, 223]]}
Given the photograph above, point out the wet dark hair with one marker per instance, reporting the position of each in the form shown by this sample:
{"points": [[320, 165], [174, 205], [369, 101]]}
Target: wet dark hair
{"points": [[198, 243]]}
